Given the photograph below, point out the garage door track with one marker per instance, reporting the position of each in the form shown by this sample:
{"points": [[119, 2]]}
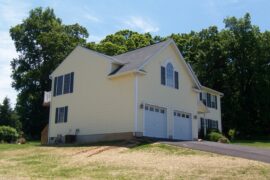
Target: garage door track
{"points": [[252, 153]]}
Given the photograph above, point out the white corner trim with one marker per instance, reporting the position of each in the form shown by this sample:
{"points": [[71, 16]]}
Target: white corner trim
{"points": [[135, 104]]}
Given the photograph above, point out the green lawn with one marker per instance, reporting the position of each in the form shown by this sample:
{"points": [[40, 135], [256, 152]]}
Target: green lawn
{"points": [[122, 160], [254, 143]]}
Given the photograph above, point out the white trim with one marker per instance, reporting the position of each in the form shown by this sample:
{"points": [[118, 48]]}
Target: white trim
{"points": [[125, 73], [135, 104], [204, 88]]}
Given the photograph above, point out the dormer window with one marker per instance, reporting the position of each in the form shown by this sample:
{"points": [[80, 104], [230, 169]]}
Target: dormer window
{"points": [[169, 77]]}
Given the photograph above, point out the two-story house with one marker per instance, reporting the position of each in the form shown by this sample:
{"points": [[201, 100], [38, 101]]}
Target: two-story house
{"points": [[148, 92]]}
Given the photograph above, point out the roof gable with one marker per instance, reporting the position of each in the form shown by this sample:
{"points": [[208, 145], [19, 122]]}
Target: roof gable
{"points": [[133, 60]]}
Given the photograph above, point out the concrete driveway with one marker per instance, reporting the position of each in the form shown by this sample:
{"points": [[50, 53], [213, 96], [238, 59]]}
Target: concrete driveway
{"points": [[252, 153]]}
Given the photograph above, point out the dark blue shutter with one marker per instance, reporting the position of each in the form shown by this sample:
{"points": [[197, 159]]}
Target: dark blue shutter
{"points": [[67, 83], [163, 82], [71, 82], [59, 85], [66, 114], [200, 96], [176, 81], [54, 86], [216, 102], [56, 115], [208, 100], [202, 123]]}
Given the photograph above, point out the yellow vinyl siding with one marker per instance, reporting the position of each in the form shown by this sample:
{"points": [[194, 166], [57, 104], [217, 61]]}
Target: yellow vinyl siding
{"points": [[98, 104]]}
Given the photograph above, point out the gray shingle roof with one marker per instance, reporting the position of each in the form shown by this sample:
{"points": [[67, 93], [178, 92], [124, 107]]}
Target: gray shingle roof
{"points": [[133, 60]]}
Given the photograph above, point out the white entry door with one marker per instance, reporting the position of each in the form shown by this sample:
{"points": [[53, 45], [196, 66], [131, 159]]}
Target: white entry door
{"points": [[155, 122], [182, 126]]}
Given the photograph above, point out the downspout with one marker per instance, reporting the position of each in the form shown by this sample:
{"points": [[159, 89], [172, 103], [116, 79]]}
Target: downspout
{"points": [[135, 104]]}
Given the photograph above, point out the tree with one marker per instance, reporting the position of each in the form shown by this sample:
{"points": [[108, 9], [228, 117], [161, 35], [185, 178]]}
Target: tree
{"points": [[235, 61], [7, 116], [123, 41], [42, 42]]}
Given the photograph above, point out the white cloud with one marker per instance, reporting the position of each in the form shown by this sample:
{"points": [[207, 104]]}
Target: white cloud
{"points": [[91, 17], [141, 24]]}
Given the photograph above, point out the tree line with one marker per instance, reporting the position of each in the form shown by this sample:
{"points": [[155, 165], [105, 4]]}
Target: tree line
{"points": [[234, 60]]}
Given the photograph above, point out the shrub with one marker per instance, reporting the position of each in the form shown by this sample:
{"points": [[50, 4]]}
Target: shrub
{"points": [[8, 134], [224, 140], [217, 137], [231, 134], [214, 136]]}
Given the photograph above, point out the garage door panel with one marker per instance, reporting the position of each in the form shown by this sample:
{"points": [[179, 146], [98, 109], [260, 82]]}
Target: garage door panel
{"points": [[155, 122], [182, 126]]}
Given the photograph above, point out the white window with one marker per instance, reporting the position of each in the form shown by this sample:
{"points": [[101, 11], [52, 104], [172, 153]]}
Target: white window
{"points": [[61, 114], [169, 75]]}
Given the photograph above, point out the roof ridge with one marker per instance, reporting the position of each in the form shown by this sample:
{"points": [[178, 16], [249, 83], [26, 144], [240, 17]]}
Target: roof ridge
{"points": [[169, 39]]}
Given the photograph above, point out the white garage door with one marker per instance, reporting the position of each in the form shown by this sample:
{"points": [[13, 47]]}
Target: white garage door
{"points": [[182, 127], [155, 122]]}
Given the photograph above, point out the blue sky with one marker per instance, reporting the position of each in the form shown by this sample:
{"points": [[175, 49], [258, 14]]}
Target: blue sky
{"points": [[102, 17]]}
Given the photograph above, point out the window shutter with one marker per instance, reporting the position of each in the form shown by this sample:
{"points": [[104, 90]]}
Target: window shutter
{"points": [[67, 83], [176, 83], [56, 115], [202, 123], [59, 85], [54, 86], [200, 96], [163, 75], [71, 82], [66, 114], [208, 100], [216, 102]]}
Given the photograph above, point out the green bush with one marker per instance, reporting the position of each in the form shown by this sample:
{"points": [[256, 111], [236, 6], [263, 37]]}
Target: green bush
{"points": [[224, 140], [217, 137], [8, 134], [231, 134], [214, 136]]}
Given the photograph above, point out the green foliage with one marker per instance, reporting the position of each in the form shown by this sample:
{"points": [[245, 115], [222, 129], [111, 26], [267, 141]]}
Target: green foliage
{"points": [[8, 134], [224, 140], [8, 117], [235, 61], [42, 41], [214, 136], [231, 134], [123, 41]]}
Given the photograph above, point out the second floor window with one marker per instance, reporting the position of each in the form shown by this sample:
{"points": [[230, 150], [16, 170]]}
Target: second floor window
{"points": [[208, 100], [169, 77], [63, 84]]}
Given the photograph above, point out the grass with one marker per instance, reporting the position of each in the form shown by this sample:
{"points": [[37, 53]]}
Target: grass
{"points": [[254, 143], [122, 160]]}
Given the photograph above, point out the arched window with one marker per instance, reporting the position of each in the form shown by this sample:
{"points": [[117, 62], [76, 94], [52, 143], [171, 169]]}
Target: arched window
{"points": [[169, 75]]}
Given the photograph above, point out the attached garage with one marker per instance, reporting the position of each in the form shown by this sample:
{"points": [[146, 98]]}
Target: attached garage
{"points": [[155, 121], [182, 126]]}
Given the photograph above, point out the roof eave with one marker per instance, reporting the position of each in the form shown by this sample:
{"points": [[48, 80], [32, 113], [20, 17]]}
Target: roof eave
{"points": [[212, 91], [126, 73]]}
